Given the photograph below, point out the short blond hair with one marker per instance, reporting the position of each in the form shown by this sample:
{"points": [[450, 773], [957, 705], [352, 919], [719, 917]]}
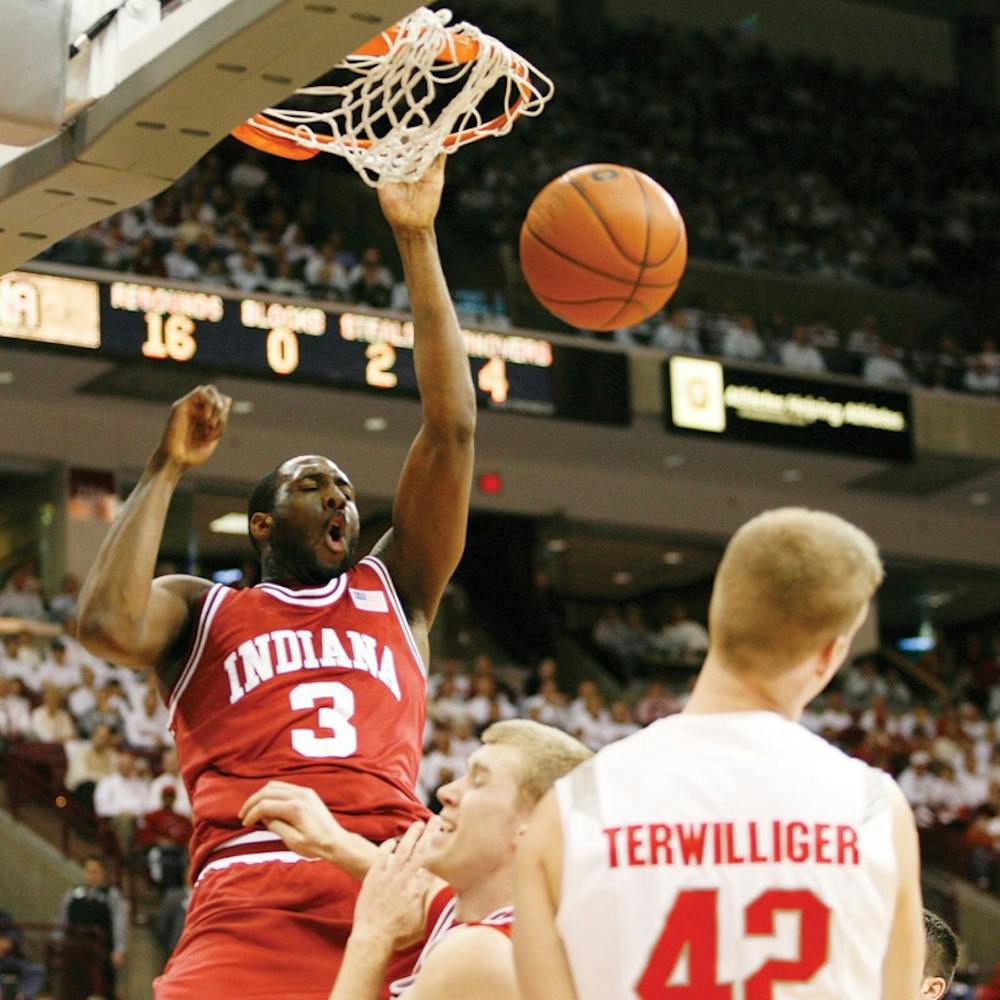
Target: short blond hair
{"points": [[790, 581], [546, 754]]}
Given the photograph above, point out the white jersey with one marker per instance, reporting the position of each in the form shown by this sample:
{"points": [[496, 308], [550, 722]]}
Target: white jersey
{"points": [[726, 857]]}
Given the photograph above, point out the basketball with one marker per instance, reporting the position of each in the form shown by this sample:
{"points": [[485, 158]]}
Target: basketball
{"points": [[603, 246]]}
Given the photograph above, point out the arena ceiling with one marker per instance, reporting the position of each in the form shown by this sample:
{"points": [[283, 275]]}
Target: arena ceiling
{"points": [[942, 8]]}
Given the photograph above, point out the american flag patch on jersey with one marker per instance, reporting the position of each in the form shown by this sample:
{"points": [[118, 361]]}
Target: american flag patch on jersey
{"points": [[368, 600]]}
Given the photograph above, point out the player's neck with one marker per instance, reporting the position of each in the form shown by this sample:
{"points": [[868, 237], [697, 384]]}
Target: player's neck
{"points": [[475, 902], [719, 689]]}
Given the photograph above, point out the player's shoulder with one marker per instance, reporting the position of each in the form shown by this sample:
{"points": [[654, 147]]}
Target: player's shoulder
{"points": [[474, 960]]}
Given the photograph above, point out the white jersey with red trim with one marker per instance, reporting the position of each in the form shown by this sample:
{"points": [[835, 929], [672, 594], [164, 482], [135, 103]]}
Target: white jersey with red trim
{"points": [[320, 686], [441, 922], [726, 857]]}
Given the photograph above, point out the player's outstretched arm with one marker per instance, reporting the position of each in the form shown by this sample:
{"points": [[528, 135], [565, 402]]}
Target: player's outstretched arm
{"points": [[125, 615], [432, 500], [474, 963], [902, 969], [543, 971]]}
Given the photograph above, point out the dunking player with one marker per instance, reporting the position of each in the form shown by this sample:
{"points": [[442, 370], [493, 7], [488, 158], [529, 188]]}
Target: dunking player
{"points": [[316, 675], [726, 851], [470, 848]]}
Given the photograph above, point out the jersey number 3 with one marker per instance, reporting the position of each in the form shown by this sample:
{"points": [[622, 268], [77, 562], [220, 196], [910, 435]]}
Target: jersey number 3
{"points": [[693, 926], [341, 738]]}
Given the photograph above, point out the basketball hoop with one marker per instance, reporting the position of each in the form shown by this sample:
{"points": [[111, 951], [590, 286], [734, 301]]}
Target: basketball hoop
{"points": [[384, 124]]}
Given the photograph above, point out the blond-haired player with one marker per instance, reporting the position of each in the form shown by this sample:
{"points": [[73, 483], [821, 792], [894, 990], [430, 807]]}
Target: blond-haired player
{"points": [[449, 884], [727, 853]]}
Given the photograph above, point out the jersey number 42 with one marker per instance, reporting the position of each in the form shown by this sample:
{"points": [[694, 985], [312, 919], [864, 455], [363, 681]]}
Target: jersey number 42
{"points": [[693, 925]]}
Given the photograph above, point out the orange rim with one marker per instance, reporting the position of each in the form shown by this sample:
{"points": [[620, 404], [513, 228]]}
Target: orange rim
{"points": [[259, 131]]}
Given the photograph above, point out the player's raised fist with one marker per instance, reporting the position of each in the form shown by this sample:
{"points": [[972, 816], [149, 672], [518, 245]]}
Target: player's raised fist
{"points": [[413, 207], [195, 425]]}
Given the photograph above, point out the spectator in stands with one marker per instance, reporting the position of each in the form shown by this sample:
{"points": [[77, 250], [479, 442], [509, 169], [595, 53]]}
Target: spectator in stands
{"points": [[463, 740], [980, 378], [588, 717], [50, 722], [169, 777], [22, 597], [15, 711], [170, 917], [88, 762], [549, 706], [248, 175], [982, 837], [56, 670], [834, 717], [370, 282], [546, 669], [246, 272], [448, 708], [178, 264], [104, 713], [84, 696], [885, 368], [919, 786], [741, 341], [325, 275], [655, 704], [284, 281], [26, 977], [121, 797], [682, 639], [63, 603], [20, 660], [439, 766], [165, 834], [97, 904], [488, 703], [449, 667], [800, 353], [865, 339], [620, 724], [678, 334], [146, 726]]}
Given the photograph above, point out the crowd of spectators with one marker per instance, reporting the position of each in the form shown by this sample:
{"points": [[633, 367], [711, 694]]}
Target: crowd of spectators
{"points": [[818, 347], [783, 162]]}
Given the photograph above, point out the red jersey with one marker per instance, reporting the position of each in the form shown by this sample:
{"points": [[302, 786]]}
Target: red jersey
{"points": [[322, 687], [440, 923]]}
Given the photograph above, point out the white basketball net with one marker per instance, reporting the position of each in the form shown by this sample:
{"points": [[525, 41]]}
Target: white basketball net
{"points": [[384, 123]]}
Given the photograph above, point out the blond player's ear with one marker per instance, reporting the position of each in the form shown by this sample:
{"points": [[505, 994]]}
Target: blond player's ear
{"points": [[933, 988]]}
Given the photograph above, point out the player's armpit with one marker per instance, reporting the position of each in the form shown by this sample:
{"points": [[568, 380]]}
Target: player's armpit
{"points": [[475, 963], [159, 637], [902, 969], [543, 971]]}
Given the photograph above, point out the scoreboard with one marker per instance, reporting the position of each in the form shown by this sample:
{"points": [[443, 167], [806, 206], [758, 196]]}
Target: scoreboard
{"points": [[263, 337]]}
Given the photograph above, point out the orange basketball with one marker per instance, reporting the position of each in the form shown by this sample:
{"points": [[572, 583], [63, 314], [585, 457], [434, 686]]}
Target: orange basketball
{"points": [[603, 246]]}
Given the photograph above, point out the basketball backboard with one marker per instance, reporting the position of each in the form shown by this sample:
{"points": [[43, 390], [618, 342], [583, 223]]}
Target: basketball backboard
{"points": [[204, 69]]}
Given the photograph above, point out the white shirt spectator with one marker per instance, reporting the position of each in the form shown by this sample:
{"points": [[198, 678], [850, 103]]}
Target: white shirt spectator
{"points": [[52, 726], [742, 343], [539, 708], [884, 370], [677, 334], [81, 657], [249, 176], [247, 273], [179, 265], [835, 719], [64, 675], [323, 272], [117, 795], [145, 730], [182, 804], [593, 731], [435, 769], [15, 713], [481, 712], [81, 700], [801, 357], [684, 639], [917, 783], [979, 378]]}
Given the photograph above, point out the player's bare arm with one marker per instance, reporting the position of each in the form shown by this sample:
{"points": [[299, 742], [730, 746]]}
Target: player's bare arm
{"points": [[432, 500], [299, 816], [475, 963], [125, 615], [542, 968], [902, 970], [390, 913]]}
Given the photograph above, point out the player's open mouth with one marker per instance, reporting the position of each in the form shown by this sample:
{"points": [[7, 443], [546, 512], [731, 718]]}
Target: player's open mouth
{"points": [[335, 537]]}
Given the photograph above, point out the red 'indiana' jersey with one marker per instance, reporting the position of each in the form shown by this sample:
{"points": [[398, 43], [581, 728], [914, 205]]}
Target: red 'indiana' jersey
{"points": [[322, 687]]}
